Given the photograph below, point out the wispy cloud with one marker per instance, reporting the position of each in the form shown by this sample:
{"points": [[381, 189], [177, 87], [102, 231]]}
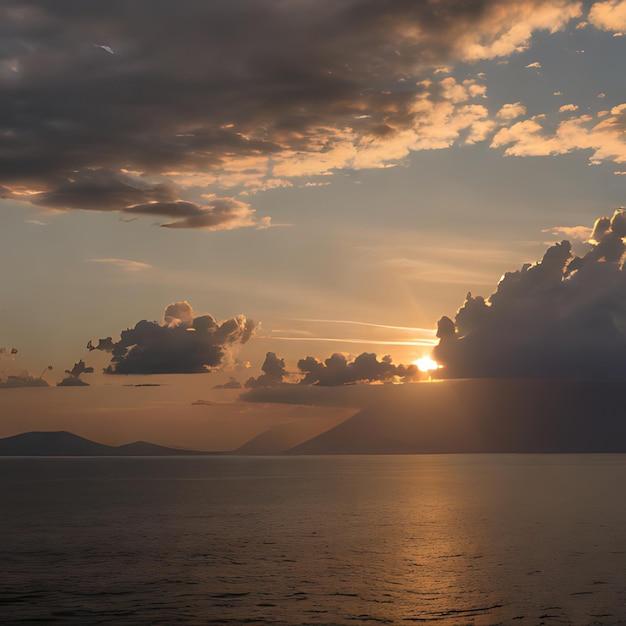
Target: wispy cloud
{"points": [[374, 342], [124, 264], [413, 329], [579, 233], [381, 334]]}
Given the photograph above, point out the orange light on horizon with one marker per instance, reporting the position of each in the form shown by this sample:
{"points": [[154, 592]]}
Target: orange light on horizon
{"points": [[426, 364]]}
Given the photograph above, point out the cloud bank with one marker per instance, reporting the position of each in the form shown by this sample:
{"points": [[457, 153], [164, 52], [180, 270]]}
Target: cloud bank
{"points": [[181, 344], [564, 316], [13, 381]]}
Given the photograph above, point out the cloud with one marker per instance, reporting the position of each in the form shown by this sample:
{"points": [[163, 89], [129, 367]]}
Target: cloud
{"points": [[123, 264], [610, 15], [220, 214], [105, 110], [604, 138], [578, 233], [22, 380], [274, 373], [535, 65], [182, 344], [336, 370], [101, 190], [564, 316], [511, 111], [568, 107], [361, 333], [10, 380], [232, 383], [73, 376], [339, 370]]}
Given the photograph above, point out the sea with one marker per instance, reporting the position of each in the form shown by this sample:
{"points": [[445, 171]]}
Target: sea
{"points": [[424, 539]]}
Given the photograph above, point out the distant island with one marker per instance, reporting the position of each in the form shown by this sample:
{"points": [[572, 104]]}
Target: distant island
{"points": [[63, 443]]}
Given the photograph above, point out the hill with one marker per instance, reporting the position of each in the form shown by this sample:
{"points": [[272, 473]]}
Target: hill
{"points": [[483, 415], [63, 443]]}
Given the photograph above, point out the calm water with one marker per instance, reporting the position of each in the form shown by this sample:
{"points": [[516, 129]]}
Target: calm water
{"points": [[491, 539]]}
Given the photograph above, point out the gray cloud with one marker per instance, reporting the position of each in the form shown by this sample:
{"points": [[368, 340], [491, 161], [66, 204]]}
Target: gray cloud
{"points": [[182, 344], [562, 317], [102, 106], [232, 383], [220, 214], [274, 373], [73, 378], [21, 380], [339, 370], [101, 190]]}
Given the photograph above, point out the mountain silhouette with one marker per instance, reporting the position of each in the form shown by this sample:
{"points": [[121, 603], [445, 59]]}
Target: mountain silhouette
{"points": [[484, 415], [63, 443]]}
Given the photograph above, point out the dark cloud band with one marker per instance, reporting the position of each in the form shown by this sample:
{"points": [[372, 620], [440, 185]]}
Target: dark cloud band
{"points": [[104, 109]]}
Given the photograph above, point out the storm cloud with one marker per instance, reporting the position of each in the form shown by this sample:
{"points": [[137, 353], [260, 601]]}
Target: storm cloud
{"points": [[124, 106], [181, 344], [564, 316]]}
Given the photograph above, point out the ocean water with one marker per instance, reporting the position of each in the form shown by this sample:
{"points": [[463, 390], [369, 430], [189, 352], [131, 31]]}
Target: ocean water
{"points": [[459, 539]]}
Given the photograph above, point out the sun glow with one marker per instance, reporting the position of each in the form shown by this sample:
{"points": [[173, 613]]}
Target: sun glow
{"points": [[426, 364]]}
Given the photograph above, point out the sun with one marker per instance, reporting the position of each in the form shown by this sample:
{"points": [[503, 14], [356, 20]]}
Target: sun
{"points": [[426, 364]]}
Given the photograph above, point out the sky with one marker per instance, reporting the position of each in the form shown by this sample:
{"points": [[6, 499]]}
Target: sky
{"points": [[303, 179]]}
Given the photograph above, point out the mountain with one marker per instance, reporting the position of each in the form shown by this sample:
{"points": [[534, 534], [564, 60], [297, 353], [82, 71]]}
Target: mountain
{"points": [[63, 443], [484, 415], [281, 437]]}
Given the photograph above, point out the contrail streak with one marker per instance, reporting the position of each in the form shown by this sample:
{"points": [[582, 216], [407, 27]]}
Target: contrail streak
{"points": [[428, 331], [416, 342]]}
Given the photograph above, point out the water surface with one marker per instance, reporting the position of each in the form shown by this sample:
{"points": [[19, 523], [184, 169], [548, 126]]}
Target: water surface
{"points": [[458, 539]]}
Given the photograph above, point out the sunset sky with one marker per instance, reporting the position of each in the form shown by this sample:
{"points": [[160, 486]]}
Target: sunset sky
{"points": [[341, 172]]}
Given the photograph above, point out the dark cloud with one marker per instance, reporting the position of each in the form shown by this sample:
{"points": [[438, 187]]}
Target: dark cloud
{"points": [[274, 373], [232, 383], [73, 378], [106, 345], [338, 370], [221, 214], [334, 371], [182, 344], [22, 380], [101, 190], [103, 102], [562, 317]]}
